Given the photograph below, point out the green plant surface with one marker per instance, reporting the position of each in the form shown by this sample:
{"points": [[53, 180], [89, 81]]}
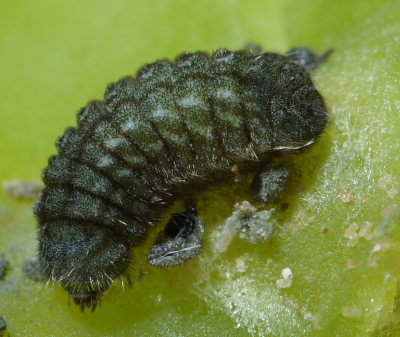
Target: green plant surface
{"points": [[56, 56]]}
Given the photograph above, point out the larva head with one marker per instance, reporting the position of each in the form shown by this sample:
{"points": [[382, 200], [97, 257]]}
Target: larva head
{"points": [[298, 113], [293, 110], [84, 259]]}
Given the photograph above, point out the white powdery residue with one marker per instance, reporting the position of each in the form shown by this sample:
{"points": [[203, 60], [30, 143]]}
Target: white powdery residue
{"points": [[256, 227], [286, 280], [257, 308], [366, 231], [226, 234], [352, 235], [253, 226]]}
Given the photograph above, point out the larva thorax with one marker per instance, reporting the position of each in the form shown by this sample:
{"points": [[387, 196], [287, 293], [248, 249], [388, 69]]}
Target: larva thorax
{"points": [[176, 121]]}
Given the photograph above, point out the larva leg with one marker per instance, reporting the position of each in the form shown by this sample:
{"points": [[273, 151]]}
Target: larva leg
{"points": [[181, 240], [307, 58], [266, 186]]}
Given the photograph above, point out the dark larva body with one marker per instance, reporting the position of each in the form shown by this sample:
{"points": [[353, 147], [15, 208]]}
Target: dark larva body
{"points": [[154, 134]]}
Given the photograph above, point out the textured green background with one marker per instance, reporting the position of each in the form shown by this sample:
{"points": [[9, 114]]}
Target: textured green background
{"points": [[55, 56]]}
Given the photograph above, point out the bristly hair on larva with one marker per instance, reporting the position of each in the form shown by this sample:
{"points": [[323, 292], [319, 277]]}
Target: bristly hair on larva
{"points": [[155, 136]]}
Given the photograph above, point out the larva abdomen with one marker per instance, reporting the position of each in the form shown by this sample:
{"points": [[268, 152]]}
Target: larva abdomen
{"points": [[130, 155]]}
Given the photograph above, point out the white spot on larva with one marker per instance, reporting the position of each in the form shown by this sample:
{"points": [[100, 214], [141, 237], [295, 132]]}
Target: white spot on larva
{"points": [[160, 113], [191, 101], [113, 143], [148, 73], [225, 59], [225, 94], [105, 161], [130, 126], [99, 187]]}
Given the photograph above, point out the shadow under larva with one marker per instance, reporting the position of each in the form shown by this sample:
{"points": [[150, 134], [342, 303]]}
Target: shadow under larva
{"points": [[172, 127]]}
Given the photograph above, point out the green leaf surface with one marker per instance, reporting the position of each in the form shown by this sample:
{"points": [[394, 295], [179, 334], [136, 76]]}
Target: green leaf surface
{"points": [[56, 56]]}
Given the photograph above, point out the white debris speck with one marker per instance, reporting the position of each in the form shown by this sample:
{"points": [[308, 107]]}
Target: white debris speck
{"points": [[287, 273], [366, 231], [286, 280], [346, 196], [377, 248], [284, 283], [351, 232], [352, 235], [240, 265]]}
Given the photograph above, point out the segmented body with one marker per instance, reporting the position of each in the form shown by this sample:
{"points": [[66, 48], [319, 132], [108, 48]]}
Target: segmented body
{"points": [[131, 154]]}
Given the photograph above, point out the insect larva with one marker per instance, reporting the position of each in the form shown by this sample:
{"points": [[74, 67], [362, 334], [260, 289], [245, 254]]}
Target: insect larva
{"points": [[150, 140]]}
